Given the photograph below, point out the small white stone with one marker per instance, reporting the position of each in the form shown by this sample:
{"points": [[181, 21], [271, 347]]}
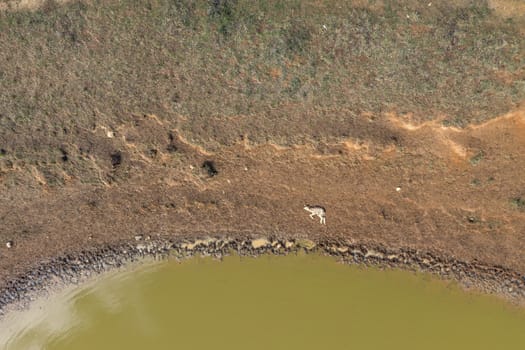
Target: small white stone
{"points": [[9, 244], [245, 168], [429, 4], [191, 167], [398, 189]]}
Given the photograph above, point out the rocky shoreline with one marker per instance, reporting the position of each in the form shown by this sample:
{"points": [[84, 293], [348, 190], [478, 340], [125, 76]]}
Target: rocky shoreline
{"points": [[75, 269]]}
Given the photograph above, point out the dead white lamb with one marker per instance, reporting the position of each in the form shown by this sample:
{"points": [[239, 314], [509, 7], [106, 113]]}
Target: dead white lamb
{"points": [[316, 210]]}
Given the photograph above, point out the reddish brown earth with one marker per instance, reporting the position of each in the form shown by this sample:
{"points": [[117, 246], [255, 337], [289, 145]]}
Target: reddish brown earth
{"points": [[461, 192]]}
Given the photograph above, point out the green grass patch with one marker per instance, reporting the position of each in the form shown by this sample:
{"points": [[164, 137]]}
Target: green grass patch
{"points": [[476, 159], [518, 203]]}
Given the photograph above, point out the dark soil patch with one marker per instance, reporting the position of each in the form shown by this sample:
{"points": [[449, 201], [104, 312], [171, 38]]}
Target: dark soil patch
{"points": [[116, 159], [210, 168]]}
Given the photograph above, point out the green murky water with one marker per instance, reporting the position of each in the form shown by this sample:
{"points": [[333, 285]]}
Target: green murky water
{"points": [[293, 302]]}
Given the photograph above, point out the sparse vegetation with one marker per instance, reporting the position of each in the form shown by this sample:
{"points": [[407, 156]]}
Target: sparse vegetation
{"points": [[475, 182], [518, 203], [277, 68], [477, 158]]}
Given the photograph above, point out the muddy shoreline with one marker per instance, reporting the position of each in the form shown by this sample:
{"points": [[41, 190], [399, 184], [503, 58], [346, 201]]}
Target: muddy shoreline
{"points": [[74, 269]]}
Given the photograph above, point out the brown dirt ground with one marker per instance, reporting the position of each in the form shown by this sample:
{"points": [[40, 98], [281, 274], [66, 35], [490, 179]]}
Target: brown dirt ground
{"points": [[108, 110], [459, 192]]}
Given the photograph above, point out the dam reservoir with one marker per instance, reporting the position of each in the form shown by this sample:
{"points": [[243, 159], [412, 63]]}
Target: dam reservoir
{"points": [[302, 301]]}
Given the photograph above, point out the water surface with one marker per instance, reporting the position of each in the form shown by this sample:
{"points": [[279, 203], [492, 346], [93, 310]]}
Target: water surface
{"points": [[292, 302]]}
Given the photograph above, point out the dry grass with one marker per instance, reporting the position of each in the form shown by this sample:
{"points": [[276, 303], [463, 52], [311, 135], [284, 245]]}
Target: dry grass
{"points": [[282, 71], [87, 62]]}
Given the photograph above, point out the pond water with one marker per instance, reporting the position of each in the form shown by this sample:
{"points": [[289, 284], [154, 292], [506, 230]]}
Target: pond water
{"points": [[292, 302]]}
